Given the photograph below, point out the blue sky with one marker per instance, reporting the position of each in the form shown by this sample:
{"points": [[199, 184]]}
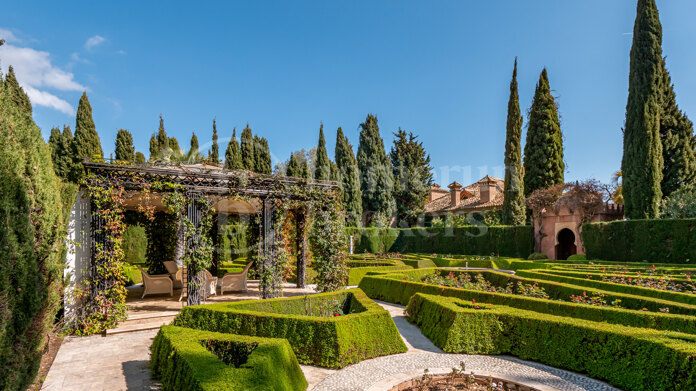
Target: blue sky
{"points": [[440, 69]]}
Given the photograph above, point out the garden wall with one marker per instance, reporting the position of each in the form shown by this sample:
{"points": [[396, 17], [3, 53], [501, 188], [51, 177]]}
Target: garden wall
{"points": [[509, 241], [672, 241]]}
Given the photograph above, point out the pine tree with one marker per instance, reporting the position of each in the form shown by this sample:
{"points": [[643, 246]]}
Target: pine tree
{"points": [[86, 142], [61, 154], [154, 151], [642, 163], [139, 158], [248, 151], [233, 157], [678, 141], [215, 151], [412, 176], [16, 93], [376, 180], [514, 210], [323, 169], [262, 156], [348, 179], [543, 150], [293, 169], [124, 146]]}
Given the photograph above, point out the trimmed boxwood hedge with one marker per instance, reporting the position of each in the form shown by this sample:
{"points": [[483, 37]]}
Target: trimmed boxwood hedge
{"points": [[672, 241], [392, 288], [510, 241], [182, 362], [679, 297], [627, 357], [356, 274], [597, 275], [333, 341]]}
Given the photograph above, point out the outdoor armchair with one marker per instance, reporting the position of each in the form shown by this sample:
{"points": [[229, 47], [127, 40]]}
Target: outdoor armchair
{"points": [[210, 284], [235, 281], [156, 284], [175, 273]]}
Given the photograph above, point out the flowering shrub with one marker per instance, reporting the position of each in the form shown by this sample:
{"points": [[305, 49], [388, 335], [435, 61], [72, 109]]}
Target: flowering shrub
{"points": [[652, 280], [479, 283], [596, 298]]}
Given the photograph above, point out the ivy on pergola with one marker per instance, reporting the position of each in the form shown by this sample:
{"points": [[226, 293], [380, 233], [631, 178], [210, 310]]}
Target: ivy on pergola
{"points": [[191, 192]]}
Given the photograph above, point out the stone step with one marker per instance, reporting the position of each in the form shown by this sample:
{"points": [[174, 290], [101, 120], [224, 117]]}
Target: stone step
{"points": [[150, 315], [127, 327]]}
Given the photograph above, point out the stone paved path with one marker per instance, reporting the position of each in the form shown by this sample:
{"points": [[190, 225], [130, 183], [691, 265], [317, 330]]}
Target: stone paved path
{"points": [[383, 373]]}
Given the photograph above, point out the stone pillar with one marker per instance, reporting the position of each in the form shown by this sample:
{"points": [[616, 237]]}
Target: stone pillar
{"points": [[78, 255]]}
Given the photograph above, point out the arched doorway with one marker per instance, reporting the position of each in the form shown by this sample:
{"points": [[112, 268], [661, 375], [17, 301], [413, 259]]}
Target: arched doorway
{"points": [[566, 244]]}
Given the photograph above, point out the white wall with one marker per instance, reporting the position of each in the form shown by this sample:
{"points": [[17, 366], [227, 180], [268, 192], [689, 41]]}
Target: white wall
{"points": [[78, 255]]}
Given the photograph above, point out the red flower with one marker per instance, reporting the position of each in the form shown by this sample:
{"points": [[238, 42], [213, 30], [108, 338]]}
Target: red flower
{"points": [[337, 315]]}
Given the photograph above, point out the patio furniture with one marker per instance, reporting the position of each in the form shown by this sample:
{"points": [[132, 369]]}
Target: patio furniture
{"points": [[156, 284], [235, 281], [174, 273], [210, 284]]}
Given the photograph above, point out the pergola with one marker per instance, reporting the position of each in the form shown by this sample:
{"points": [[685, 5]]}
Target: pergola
{"points": [[227, 191]]}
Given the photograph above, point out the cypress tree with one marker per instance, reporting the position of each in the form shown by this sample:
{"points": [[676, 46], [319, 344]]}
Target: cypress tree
{"points": [[334, 171], [248, 151], [174, 146], [642, 162], [376, 180], [412, 176], [543, 150], [139, 158], [61, 155], [293, 169], [162, 139], [305, 170], [262, 156], [215, 152], [15, 92], [233, 157], [348, 179], [86, 142], [323, 169], [124, 146], [514, 210], [678, 141], [154, 151]]}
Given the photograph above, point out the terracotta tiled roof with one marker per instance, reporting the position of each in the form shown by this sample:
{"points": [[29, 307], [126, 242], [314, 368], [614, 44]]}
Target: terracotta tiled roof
{"points": [[470, 198]]}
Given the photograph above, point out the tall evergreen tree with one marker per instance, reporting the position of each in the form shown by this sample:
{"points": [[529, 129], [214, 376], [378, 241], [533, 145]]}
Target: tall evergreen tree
{"points": [[376, 180], [543, 150], [154, 151], [86, 142], [248, 151], [61, 153], [678, 141], [194, 155], [262, 156], [124, 146], [348, 179], [294, 169], [174, 146], [514, 210], [412, 177], [139, 158], [323, 169], [233, 157], [642, 162], [215, 150], [16, 93], [162, 139], [334, 172], [305, 170]]}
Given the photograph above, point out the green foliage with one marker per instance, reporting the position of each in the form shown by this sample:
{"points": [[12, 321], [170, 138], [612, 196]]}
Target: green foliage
{"points": [[162, 234], [86, 143], [181, 361], [33, 223], [215, 149], [396, 288], [537, 256], [577, 257], [512, 241], [233, 156], [162, 139], [124, 146], [322, 171], [348, 180], [262, 159], [630, 358], [139, 158], [376, 177], [543, 150], [248, 150], [642, 161], [514, 210], [356, 274], [233, 241], [61, 151], [412, 177], [671, 241], [365, 330], [293, 169], [681, 204], [135, 244], [154, 152], [328, 243]]}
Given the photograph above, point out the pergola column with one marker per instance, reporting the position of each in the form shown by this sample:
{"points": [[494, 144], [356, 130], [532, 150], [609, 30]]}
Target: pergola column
{"points": [[195, 282], [267, 241], [301, 224]]}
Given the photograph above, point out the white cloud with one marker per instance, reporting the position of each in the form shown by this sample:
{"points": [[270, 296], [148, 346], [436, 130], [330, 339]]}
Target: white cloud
{"points": [[36, 73], [8, 35], [76, 58], [94, 41]]}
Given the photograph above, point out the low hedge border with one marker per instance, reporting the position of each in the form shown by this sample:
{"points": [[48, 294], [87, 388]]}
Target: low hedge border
{"points": [[356, 274], [419, 263], [366, 331], [392, 288], [599, 275], [679, 297], [627, 357], [181, 362]]}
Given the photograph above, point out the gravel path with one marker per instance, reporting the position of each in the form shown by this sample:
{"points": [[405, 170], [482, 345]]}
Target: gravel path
{"points": [[383, 373]]}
